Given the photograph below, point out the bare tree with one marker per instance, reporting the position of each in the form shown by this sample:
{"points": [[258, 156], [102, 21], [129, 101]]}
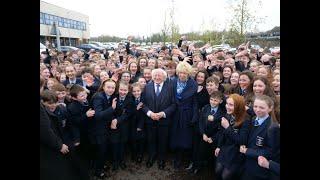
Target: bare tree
{"points": [[245, 16], [165, 29]]}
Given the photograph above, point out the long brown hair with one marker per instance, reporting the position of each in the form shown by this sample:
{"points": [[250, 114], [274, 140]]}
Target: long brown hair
{"points": [[268, 90], [239, 109], [138, 67]]}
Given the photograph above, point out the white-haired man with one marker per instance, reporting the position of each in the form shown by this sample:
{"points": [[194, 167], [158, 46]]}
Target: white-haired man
{"points": [[159, 105]]}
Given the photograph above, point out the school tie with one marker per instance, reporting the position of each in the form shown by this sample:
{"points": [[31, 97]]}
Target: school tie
{"points": [[244, 92], [137, 102], [121, 102], [213, 111], [256, 122], [158, 90]]}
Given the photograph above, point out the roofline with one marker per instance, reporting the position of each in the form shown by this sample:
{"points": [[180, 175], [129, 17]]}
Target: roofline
{"points": [[65, 8]]}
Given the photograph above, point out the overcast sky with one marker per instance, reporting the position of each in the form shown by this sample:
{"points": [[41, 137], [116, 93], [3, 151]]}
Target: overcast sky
{"points": [[144, 17]]}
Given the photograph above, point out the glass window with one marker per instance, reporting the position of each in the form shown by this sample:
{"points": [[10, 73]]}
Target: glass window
{"points": [[47, 21], [60, 23], [41, 21], [41, 15], [46, 16]]}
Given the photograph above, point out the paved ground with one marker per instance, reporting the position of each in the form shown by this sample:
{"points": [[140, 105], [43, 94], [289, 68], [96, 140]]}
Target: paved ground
{"points": [[141, 172]]}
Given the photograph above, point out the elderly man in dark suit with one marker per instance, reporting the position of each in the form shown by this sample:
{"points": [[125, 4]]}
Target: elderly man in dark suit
{"points": [[159, 105]]}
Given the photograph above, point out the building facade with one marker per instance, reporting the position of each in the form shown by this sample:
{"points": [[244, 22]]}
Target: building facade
{"points": [[73, 26]]}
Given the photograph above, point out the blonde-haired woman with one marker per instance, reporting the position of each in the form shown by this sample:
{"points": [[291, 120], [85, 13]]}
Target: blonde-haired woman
{"points": [[185, 117]]}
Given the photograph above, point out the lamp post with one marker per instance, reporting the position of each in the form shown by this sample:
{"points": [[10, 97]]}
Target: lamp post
{"points": [[56, 31], [68, 13]]}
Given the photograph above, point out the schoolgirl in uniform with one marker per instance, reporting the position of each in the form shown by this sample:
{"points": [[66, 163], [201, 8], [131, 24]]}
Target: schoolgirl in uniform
{"points": [[234, 79], [233, 134], [134, 71], [202, 93], [263, 139], [137, 134], [104, 104], [244, 86], [202, 99], [261, 86], [226, 72], [120, 125]]}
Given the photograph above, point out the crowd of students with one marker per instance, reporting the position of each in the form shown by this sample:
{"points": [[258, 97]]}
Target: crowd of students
{"points": [[219, 107]]}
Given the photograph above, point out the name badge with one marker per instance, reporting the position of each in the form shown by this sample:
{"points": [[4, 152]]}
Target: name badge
{"points": [[64, 123], [235, 130], [210, 118], [259, 141]]}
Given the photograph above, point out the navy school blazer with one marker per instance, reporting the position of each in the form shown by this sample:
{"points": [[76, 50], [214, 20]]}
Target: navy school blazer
{"points": [[203, 122], [263, 140], [102, 117], [78, 119]]}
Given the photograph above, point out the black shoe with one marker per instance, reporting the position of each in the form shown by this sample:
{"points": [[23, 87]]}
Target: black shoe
{"points": [[161, 165], [195, 171], [133, 158], [100, 175], [189, 167], [139, 159], [115, 166], [150, 162], [123, 165]]}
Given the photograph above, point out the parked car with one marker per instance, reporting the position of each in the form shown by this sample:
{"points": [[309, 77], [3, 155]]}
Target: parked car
{"points": [[99, 44], [112, 45], [87, 47], [68, 48], [255, 46], [274, 49], [224, 47]]}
